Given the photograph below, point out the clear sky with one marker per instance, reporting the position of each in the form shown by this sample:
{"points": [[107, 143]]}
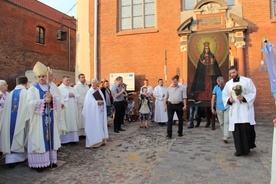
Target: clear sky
{"points": [[63, 6]]}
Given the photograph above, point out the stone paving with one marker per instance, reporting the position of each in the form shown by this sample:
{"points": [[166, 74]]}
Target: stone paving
{"points": [[141, 155]]}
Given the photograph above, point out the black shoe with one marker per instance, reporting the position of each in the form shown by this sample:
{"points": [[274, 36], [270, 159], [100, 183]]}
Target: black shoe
{"points": [[11, 166], [190, 126], [180, 135], [197, 126], [121, 129], [54, 165], [39, 170], [213, 128], [116, 131], [237, 154], [207, 125], [169, 136]]}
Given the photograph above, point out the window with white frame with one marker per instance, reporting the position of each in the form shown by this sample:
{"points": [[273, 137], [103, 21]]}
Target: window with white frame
{"points": [[190, 4], [273, 8], [136, 14]]}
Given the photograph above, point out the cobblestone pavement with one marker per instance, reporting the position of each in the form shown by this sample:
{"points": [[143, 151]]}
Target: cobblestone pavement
{"points": [[141, 155]]}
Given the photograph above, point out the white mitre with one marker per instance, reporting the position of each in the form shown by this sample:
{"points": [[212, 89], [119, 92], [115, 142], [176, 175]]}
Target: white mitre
{"points": [[39, 69]]}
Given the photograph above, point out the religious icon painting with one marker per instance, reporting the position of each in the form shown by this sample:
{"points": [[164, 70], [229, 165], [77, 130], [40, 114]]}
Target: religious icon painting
{"points": [[207, 59]]}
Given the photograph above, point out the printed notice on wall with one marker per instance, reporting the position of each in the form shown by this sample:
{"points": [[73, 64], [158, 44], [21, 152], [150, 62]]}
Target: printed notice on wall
{"points": [[128, 78]]}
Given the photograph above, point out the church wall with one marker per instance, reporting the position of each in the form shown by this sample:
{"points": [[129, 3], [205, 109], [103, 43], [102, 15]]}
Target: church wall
{"points": [[258, 16], [19, 50], [141, 51]]}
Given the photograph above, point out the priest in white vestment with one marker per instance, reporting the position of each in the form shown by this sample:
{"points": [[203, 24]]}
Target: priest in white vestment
{"points": [[13, 124], [82, 88], [70, 111], [160, 115], [3, 94], [241, 112], [94, 111], [43, 134]]}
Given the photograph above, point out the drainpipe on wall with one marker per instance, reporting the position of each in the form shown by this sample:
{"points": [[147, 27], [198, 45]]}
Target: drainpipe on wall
{"points": [[96, 39], [69, 49]]}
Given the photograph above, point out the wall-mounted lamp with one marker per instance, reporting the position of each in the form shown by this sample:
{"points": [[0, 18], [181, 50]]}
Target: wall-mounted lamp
{"points": [[262, 67]]}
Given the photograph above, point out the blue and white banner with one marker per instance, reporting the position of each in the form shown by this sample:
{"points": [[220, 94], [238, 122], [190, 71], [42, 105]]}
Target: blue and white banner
{"points": [[268, 51]]}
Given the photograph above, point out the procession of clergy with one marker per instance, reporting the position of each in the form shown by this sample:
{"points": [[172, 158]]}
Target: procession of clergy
{"points": [[46, 116]]}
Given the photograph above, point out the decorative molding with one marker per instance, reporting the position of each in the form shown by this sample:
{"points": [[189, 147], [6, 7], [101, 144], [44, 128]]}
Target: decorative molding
{"points": [[183, 48], [239, 44]]}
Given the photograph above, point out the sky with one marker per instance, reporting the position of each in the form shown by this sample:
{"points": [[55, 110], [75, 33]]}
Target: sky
{"points": [[63, 6]]}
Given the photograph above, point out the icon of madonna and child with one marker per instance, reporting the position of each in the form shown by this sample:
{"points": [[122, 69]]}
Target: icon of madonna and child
{"points": [[206, 74]]}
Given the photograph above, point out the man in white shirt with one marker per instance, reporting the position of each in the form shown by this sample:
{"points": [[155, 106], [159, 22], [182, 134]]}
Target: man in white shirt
{"points": [[175, 101]]}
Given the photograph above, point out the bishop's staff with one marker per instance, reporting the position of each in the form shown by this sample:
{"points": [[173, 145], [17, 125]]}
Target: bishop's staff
{"points": [[48, 119]]}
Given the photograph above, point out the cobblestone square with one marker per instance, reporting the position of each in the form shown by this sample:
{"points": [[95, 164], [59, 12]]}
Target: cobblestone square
{"points": [[141, 155]]}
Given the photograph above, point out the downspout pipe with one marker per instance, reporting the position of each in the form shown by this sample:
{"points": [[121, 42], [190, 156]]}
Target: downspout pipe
{"points": [[96, 39], [69, 49]]}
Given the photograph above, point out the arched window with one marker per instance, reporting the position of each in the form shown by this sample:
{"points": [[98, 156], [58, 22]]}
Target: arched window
{"points": [[40, 35]]}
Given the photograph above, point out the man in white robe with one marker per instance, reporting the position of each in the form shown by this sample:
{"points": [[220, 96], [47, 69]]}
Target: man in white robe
{"points": [[241, 112], [43, 134], [3, 94], [82, 88], [70, 111], [14, 121], [159, 92], [94, 111]]}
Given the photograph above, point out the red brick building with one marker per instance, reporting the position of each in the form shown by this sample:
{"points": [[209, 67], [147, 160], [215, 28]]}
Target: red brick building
{"points": [[30, 32], [134, 35]]}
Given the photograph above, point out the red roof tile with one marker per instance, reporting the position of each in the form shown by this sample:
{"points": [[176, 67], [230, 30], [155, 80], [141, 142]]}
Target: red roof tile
{"points": [[47, 11]]}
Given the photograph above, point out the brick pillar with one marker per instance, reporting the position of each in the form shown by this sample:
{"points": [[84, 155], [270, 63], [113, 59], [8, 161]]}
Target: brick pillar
{"points": [[239, 44], [183, 49], [241, 64]]}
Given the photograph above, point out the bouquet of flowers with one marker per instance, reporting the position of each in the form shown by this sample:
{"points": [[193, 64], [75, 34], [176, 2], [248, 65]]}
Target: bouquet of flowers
{"points": [[238, 90]]}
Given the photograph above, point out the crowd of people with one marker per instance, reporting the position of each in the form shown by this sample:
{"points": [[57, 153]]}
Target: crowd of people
{"points": [[35, 122]]}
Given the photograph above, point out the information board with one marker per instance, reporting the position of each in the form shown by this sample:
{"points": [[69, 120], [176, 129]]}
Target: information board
{"points": [[128, 78]]}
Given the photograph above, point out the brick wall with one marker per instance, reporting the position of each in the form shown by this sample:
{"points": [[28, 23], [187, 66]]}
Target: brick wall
{"points": [[258, 16], [137, 51], [19, 51], [143, 53]]}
